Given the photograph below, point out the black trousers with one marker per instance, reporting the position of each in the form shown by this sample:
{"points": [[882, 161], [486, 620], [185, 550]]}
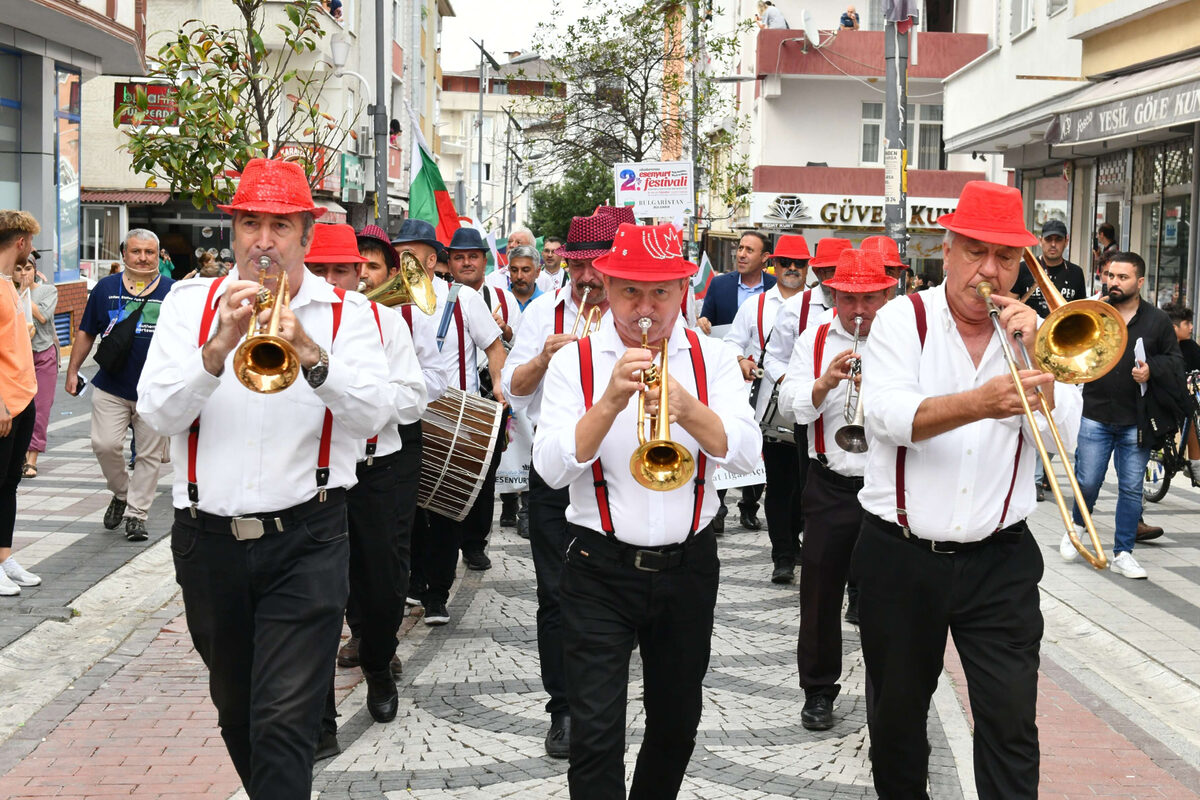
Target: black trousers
{"points": [[395, 506], [266, 617], [12, 460], [608, 606], [833, 518], [909, 598], [548, 544], [475, 528], [782, 502]]}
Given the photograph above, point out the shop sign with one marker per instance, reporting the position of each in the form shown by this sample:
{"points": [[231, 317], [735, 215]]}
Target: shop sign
{"points": [[161, 108], [1174, 105], [354, 179], [317, 155], [655, 188], [783, 210]]}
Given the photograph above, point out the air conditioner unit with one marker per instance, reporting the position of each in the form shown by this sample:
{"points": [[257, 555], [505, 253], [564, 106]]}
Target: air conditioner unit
{"points": [[363, 145]]}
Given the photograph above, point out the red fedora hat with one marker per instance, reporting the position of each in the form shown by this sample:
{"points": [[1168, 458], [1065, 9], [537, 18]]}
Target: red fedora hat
{"points": [[828, 250], [792, 245], [991, 213], [886, 247], [646, 253], [859, 272], [591, 237], [271, 186], [334, 244]]}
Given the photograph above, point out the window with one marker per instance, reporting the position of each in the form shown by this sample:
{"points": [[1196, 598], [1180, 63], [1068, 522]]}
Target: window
{"points": [[101, 232], [1022, 17], [872, 136], [499, 87], [66, 117], [928, 145], [923, 132], [1055, 6], [10, 130]]}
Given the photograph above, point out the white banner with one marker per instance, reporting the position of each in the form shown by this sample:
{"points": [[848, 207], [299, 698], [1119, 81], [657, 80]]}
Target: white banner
{"points": [[801, 210], [724, 479], [655, 188], [513, 473]]}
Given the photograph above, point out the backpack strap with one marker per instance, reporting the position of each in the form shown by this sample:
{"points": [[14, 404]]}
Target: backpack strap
{"points": [[701, 376], [819, 424], [601, 486], [193, 440], [902, 452], [373, 442]]}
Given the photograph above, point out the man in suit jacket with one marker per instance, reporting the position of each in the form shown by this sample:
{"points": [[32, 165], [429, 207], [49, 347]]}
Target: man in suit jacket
{"points": [[727, 292]]}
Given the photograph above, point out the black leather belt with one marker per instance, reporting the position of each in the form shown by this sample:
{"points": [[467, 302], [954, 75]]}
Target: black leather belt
{"points": [[254, 526], [647, 559], [1009, 535], [848, 482]]}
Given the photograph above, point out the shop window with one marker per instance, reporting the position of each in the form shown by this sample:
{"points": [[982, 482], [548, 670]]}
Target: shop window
{"points": [[66, 117], [1110, 173], [101, 233], [10, 130]]}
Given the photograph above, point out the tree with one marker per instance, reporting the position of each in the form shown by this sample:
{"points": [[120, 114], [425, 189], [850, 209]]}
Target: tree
{"points": [[585, 185], [236, 101]]}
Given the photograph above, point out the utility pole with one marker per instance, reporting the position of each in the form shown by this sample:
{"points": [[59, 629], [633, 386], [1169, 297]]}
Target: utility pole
{"points": [[895, 132], [485, 58], [380, 115], [507, 148], [695, 147]]}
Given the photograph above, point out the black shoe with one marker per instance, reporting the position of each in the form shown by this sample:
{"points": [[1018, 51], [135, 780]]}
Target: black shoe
{"points": [[523, 527], [396, 668], [382, 697], [817, 714], [436, 613], [348, 654], [114, 513], [750, 521], [135, 529], [785, 571], [508, 510], [718, 524], [508, 519], [1041, 493], [558, 740], [477, 560], [327, 746], [852, 610]]}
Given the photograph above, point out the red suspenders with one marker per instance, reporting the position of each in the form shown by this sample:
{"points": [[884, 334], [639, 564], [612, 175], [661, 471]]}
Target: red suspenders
{"points": [[819, 424], [601, 486], [462, 354], [804, 306], [503, 304], [559, 310], [762, 341], [373, 442]]}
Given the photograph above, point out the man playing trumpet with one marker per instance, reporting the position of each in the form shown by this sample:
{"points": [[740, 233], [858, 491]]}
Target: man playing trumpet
{"points": [[641, 563]]}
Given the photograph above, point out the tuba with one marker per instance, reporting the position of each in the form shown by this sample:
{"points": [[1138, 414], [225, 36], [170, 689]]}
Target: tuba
{"points": [[410, 284], [265, 362], [658, 464]]}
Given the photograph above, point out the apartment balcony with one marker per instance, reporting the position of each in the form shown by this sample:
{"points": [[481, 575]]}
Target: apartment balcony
{"points": [[112, 33], [860, 54]]}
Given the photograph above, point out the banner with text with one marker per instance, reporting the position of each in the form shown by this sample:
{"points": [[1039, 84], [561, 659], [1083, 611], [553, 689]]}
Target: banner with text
{"points": [[655, 188]]}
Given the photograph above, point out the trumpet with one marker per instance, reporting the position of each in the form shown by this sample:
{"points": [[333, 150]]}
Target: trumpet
{"points": [[1079, 342], [591, 321], [265, 362], [411, 285], [658, 463], [852, 437]]}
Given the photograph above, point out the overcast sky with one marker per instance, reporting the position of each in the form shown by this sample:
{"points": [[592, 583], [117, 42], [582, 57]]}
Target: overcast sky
{"points": [[512, 28]]}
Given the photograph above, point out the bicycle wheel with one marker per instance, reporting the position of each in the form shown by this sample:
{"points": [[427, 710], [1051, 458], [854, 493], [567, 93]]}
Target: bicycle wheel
{"points": [[1157, 478]]}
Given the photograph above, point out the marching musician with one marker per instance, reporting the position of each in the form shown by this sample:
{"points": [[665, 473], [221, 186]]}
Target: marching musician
{"points": [[641, 565], [259, 542], [751, 333], [379, 546], [464, 326], [820, 377], [548, 325], [944, 547]]}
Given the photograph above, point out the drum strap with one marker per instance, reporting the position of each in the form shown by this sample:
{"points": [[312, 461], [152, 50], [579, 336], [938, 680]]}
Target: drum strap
{"points": [[601, 486], [819, 424], [373, 442], [447, 312]]}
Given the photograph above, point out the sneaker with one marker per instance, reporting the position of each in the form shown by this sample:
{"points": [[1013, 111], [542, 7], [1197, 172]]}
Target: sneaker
{"points": [[7, 587], [477, 560], [1125, 564], [436, 613], [18, 574], [1066, 549], [114, 513], [135, 529]]}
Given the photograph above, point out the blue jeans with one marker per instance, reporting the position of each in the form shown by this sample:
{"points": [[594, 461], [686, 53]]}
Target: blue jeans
{"points": [[1098, 441]]}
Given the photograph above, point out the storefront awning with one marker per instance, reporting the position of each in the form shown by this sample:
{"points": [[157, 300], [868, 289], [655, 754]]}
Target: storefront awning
{"points": [[334, 213], [1155, 98], [129, 198]]}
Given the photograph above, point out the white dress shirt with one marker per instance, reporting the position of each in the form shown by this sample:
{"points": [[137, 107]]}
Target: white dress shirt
{"points": [[550, 282], [502, 300], [796, 395], [745, 335], [406, 385], [955, 482], [640, 516], [787, 330], [257, 453], [478, 327], [498, 278], [537, 324], [435, 364]]}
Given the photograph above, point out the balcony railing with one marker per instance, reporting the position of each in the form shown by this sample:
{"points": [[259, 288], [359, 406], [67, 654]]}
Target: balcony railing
{"points": [[860, 53]]}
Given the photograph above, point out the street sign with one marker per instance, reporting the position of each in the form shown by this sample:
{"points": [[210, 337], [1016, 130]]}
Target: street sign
{"points": [[655, 188], [161, 108]]}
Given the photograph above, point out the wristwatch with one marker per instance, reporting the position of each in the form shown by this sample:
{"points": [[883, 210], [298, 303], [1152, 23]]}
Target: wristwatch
{"points": [[318, 372]]}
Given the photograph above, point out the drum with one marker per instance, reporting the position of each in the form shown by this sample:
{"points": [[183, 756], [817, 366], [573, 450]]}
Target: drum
{"points": [[459, 434]]}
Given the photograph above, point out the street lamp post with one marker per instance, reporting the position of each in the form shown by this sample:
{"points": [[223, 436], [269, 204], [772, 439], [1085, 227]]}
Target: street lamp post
{"points": [[485, 58]]}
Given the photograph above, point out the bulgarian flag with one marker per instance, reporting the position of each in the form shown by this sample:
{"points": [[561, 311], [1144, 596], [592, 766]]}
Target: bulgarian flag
{"points": [[427, 195], [703, 277]]}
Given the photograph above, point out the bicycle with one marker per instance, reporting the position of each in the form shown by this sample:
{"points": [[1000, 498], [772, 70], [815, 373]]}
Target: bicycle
{"points": [[1172, 458]]}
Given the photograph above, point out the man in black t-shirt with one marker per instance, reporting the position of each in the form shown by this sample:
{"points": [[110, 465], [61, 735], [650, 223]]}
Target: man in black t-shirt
{"points": [[1067, 277]]}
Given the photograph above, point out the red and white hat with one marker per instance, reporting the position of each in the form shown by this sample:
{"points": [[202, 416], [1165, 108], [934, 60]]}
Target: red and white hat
{"points": [[990, 213], [860, 272], [886, 247], [828, 250], [271, 186], [792, 245], [334, 244], [591, 237], [646, 253]]}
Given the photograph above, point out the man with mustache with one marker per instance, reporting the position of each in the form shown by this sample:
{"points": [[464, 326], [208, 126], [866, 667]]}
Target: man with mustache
{"points": [[1114, 421]]}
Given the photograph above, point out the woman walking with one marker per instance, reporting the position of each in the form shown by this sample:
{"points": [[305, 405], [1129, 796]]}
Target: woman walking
{"points": [[39, 300]]}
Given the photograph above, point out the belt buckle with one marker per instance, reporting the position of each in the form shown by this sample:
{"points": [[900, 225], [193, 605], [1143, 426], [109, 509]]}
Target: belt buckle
{"points": [[935, 547], [645, 567], [246, 528]]}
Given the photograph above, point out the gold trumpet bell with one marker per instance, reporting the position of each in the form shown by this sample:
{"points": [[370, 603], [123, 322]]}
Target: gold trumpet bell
{"points": [[411, 285], [1080, 341], [662, 465], [265, 362]]}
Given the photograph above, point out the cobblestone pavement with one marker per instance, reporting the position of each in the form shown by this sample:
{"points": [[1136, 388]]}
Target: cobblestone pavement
{"points": [[103, 694]]}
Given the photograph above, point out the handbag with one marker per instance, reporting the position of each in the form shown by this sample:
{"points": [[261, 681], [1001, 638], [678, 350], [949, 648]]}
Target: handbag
{"points": [[113, 350]]}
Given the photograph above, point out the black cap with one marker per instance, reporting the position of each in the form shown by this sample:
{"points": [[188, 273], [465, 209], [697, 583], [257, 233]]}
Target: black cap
{"points": [[1054, 227]]}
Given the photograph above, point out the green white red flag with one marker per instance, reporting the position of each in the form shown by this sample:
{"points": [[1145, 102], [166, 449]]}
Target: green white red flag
{"points": [[428, 198]]}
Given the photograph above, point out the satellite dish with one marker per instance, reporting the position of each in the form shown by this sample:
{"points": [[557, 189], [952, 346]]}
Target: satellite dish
{"points": [[810, 30]]}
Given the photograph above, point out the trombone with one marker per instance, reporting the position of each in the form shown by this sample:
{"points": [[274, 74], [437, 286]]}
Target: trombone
{"points": [[852, 437], [1079, 342], [658, 463], [591, 322], [265, 362], [410, 284]]}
